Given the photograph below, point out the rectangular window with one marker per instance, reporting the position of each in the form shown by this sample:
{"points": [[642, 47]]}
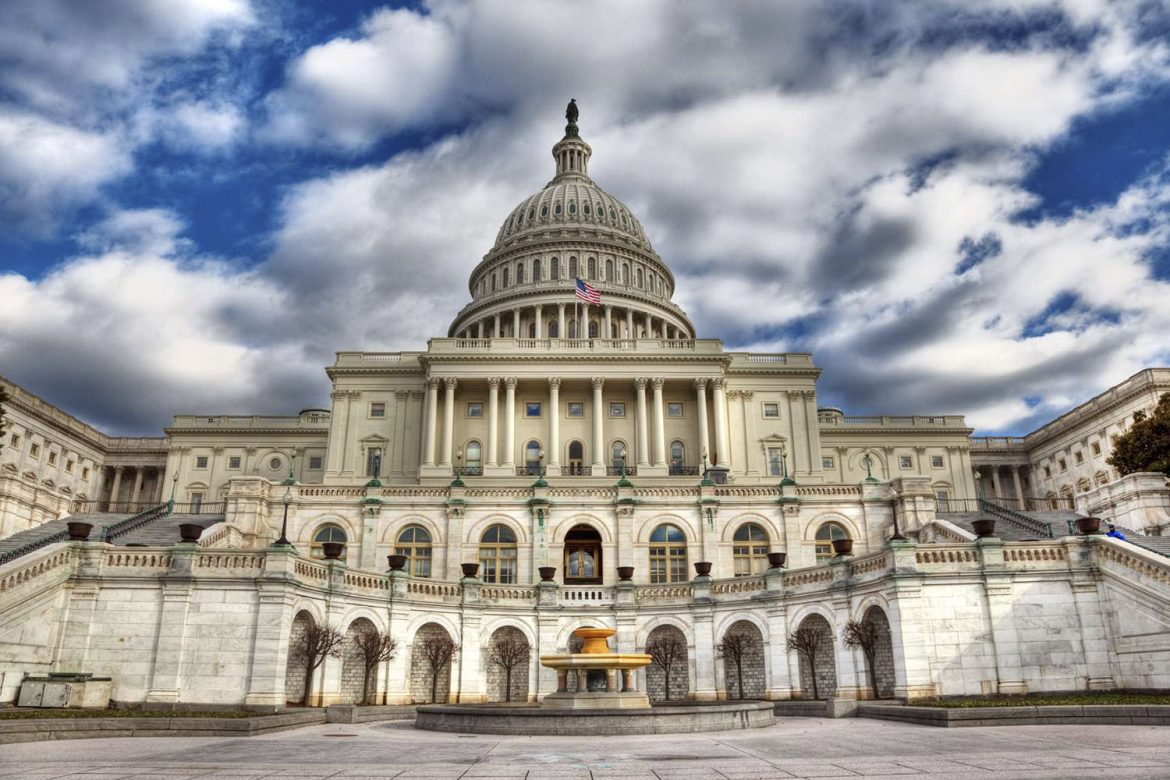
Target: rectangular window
{"points": [[68, 467], [828, 463], [771, 410], [315, 463], [34, 450], [776, 462], [15, 440], [1047, 472], [942, 501], [234, 462], [532, 409], [936, 461], [674, 410], [1063, 464], [377, 409], [617, 409], [1096, 448], [52, 459], [85, 473], [575, 409], [374, 462], [201, 462], [905, 461], [196, 502], [1079, 457], [475, 408]]}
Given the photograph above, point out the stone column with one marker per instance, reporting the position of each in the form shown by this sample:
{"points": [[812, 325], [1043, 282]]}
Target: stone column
{"points": [[448, 419], [432, 419], [561, 334], [996, 483], [701, 414], [659, 423], [598, 428], [1019, 486], [510, 421], [722, 446], [116, 488], [479, 329], [136, 494], [643, 439], [170, 641], [608, 322], [554, 425], [649, 326], [539, 322], [630, 334], [516, 324], [704, 653], [496, 316], [493, 420]]}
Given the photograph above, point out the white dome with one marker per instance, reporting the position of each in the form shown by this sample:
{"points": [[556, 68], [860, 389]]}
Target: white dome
{"points": [[568, 202]]}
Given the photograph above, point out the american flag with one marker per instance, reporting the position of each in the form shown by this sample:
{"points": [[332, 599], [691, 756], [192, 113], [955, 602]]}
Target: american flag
{"points": [[587, 293]]}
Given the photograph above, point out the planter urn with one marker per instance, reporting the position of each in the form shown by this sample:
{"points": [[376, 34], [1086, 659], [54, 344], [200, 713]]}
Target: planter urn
{"points": [[332, 550], [189, 532], [625, 573], [1089, 525], [843, 546], [469, 569], [703, 568], [776, 560], [78, 531], [547, 573], [397, 562], [983, 527]]}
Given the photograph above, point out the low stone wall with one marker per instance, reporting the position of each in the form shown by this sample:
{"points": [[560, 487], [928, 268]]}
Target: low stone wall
{"points": [[39, 730], [353, 713], [538, 721], [1066, 714]]}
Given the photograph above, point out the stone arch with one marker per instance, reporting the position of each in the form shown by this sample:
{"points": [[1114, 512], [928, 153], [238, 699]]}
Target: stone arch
{"points": [[883, 660], [656, 677], [814, 523], [730, 527], [355, 687], [311, 525], [880, 469], [475, 531], [498, 686], [565, 635], [422, 681], [643, 531], [824, 660], [747, 679], [567, 524], [390, 533], [294, 669]]}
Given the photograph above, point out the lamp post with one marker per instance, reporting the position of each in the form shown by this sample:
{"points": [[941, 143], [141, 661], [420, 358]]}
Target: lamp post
{"points": [[540, 470], [706, 469], [174, 486], [283, 540], [458, 481], [623, 482]]}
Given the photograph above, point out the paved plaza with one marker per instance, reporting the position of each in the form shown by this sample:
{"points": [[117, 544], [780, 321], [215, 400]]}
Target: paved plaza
{"points": [[795, 747]]}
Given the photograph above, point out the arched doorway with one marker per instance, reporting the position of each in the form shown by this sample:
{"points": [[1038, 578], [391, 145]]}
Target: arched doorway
{"points": [[817, 659], [668, 647], [742, 651], [883, 653], [429, 680], [582, 556], [508, 654], [355, 687], [294, 670], [576, 458]]}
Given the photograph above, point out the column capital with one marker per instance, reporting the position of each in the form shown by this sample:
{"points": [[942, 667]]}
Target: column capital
{"points": [[554, 381], [450, 382], [510, 382], [718, 382], [700, 383], [640, 382], [402, 395], [432, 382], [598, 381], [657, 381], [493, 382]]}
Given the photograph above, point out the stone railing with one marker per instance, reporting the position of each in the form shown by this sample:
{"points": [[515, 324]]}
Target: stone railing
{"points": [[57, 559], [592, 346], [998, 443], [890, 421], [648, 594], [137, 558], [426, 590], [582, 595], [1129, 561], [506, 593], [215, 562]]}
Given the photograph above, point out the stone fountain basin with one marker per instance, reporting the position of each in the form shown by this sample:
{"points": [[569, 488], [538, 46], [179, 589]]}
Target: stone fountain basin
{"points": [[595, 661]]}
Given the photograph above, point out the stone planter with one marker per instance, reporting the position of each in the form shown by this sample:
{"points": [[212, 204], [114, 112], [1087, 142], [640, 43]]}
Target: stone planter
{"points": [[547, 573], [703, 568], [397, 562], [189, 532], [1089, 525], [78, 531], [469, 569], [983, 527], [843, 546], [776, 560], [332, 550], [625, 573]]}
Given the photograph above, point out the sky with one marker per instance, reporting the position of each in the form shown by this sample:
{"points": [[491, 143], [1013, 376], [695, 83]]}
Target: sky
{"points": [[959, 208]]}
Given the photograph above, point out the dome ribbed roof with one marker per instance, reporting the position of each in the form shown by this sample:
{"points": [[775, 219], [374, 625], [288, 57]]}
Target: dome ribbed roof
{"points": [[573, 201]]}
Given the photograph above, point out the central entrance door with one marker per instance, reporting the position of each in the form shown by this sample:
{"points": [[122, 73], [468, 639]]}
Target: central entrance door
{"points": [[582, 556]]}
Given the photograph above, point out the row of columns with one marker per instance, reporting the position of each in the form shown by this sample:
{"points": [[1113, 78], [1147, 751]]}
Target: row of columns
{"points": [[997, 484], [494, 326], [136, 494], [645, 435]]}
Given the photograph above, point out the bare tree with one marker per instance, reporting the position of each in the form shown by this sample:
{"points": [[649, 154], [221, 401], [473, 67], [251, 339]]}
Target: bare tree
{"points": [[376, 647], [664, 652], [736, 647], [313, 647], [806, 640], [865, 635], [509, 652], [438, 650]]}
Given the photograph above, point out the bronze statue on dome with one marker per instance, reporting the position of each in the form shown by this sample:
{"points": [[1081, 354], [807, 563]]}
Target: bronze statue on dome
{"points": [[571, 112]]}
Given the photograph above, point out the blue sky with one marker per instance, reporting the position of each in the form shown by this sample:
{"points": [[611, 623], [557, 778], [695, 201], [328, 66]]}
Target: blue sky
{"points": [[957, 208]]}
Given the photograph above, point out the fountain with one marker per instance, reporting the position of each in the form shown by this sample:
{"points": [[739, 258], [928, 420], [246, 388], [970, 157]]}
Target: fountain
{"points": [[595, 705]]}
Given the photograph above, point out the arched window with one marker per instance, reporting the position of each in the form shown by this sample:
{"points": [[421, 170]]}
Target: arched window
{"points": [[593, 268], [554, 267], [493, 282], [594, 329], [749, 550], [572, 268], [824, 540], [576, 458], [668, 554], [519, 273], [415, 543], [504, 280], [326, 533], [638, 278], [536, 270], [497, 555], [678, 456], [618, 454], [473, 458], [609, 270], [532, 457], [532, 330], [625, 274], [572, 207], [554, 329]]}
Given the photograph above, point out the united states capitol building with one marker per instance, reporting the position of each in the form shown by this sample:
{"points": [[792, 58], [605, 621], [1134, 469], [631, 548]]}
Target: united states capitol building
{"points": [[651, 474]]}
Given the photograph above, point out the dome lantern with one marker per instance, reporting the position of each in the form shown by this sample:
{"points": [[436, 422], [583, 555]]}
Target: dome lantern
{"points": [[571, 153]]}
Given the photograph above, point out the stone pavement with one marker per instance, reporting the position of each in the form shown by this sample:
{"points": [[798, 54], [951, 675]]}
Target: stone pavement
{"points": [[795, 747]]}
